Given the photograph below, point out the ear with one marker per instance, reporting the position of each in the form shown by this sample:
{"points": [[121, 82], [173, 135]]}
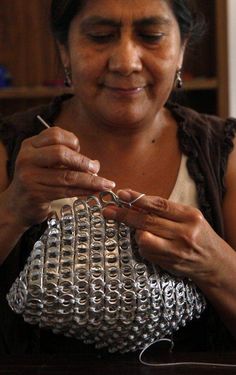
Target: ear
{"points": [[64, 54], [181, 54]]}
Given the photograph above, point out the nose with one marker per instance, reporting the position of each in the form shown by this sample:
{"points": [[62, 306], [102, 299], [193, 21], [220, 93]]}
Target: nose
{"points": [[125, 58]]}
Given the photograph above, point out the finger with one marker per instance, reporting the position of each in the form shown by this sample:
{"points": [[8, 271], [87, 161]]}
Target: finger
{"points": [[145, 221], [70, 179], [163, 253], [153, 248], [158, 206], [55, 136], [55, 155]]}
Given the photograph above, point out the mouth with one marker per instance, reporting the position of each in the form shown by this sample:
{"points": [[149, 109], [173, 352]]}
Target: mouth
{"points": [[132, 90]]}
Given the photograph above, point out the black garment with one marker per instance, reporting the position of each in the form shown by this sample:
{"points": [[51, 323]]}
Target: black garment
{"points": [[207, 141]]}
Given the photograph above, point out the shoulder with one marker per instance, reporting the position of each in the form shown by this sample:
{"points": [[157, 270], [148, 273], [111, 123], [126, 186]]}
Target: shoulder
{"points": [[209, 142], [196, 119], [13, 130], [26, 124], [230, 177], [18, 124], [207, 129], [4, 180], [21, 122], [229, 202]]}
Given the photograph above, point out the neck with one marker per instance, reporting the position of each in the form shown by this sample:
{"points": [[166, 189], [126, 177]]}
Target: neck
{"points": [[114, 135]]}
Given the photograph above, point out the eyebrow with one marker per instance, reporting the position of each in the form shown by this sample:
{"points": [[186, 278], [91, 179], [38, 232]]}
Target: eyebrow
{"points": [[98, 21], [103, 21], [150, 21]]}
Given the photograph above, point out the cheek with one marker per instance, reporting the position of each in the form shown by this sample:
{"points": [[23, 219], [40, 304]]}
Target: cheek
{"points": [[164, 65], [163, 73], [87, 67], [170, 56], [170, 53]]}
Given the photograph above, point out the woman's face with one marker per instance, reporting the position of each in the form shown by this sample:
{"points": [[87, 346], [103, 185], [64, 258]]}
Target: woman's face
{"points": [[123, 55]]}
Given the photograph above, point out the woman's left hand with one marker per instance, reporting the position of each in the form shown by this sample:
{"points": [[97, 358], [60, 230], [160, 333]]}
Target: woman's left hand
{"points": [[171, 235]]}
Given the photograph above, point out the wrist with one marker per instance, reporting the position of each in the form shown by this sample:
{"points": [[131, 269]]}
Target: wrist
{"points": [[222, 270]]}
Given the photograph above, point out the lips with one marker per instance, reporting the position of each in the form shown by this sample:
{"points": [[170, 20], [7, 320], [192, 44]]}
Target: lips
{"points": [[128, 89], [136, 88], [124, 92], [124, 84]]}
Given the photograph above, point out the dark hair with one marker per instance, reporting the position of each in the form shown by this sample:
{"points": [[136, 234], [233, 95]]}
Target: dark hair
{"points": [[191, 22], [63, 12]]}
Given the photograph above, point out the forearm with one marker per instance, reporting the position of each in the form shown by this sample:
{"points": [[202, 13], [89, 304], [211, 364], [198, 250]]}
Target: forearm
{"points": [[220, 289], [10, 230]]}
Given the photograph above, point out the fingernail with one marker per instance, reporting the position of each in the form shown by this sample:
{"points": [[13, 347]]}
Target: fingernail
{"points": [[107, 184], [124, 194], [94, 166]]}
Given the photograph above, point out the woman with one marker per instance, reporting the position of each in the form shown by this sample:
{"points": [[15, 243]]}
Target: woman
{"points": [[119, 130]]}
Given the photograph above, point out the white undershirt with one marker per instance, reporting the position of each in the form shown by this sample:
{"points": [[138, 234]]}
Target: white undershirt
{"points": [[184, 191]]}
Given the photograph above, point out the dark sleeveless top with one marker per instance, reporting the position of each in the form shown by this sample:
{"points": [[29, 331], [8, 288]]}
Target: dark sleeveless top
{"points": [[207, 142]]}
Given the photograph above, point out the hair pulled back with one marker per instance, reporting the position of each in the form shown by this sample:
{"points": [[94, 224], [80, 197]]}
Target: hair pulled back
{"points": [[63, 11]]}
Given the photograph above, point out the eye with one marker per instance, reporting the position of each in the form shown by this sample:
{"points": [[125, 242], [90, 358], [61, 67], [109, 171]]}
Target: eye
{"points": [[102, 37], [152, 38]]}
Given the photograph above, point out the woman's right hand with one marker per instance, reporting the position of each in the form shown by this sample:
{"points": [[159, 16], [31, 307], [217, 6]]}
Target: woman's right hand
{"points": [[49, 166]]}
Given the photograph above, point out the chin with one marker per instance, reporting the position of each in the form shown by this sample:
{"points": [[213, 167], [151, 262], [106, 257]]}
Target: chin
{"points": [[125, 120], [126, 116]]}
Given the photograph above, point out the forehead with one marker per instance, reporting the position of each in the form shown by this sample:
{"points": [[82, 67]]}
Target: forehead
{"points": [[127, 10]]}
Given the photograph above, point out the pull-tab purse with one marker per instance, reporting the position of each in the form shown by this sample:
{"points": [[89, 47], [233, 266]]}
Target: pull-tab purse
{"points": [[85, 279]]}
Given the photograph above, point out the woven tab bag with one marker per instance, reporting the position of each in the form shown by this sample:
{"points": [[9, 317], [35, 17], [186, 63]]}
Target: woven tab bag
{"points": [[85, 279]]}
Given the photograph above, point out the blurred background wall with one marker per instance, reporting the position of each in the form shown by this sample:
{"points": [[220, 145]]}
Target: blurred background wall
{"points": [[231, 22]]}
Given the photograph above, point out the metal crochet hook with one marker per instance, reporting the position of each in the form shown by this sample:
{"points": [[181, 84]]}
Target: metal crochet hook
{"points": [[43, 121], [115, 199]]}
